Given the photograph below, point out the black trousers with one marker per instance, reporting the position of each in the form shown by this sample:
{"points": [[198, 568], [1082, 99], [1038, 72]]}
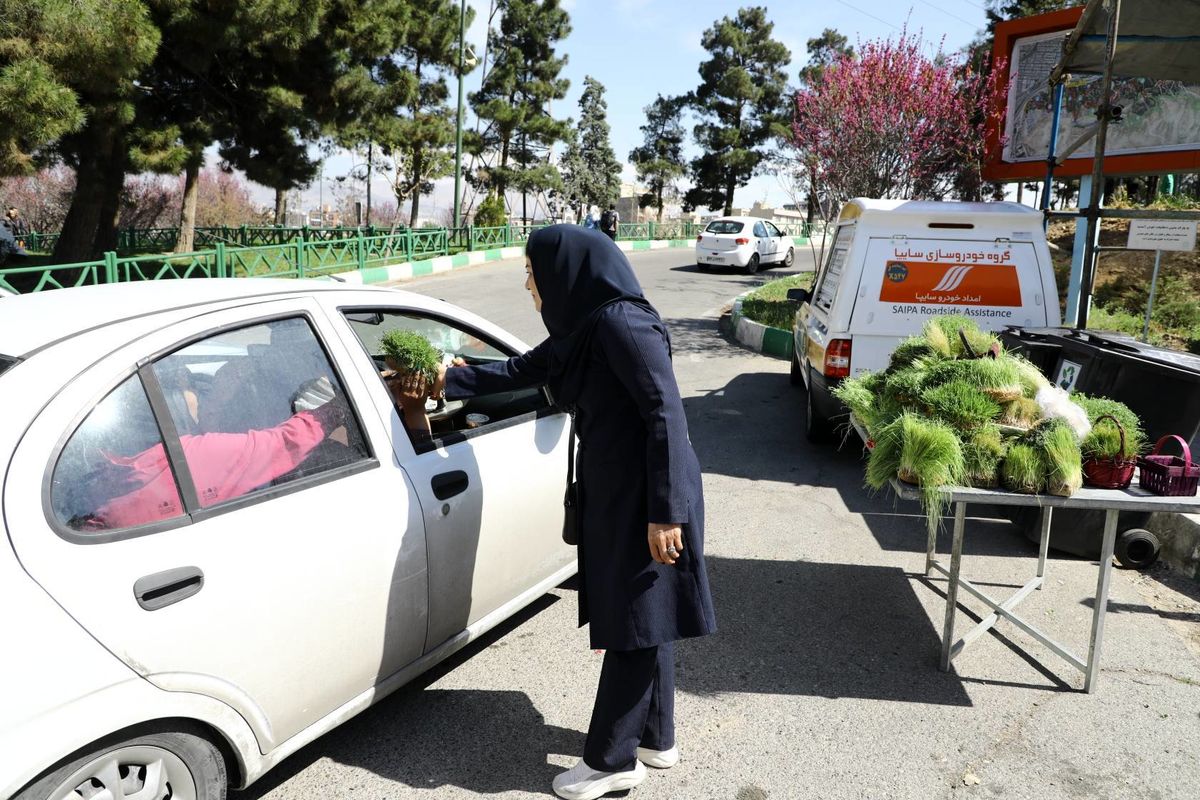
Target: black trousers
{"points": [[635, 707]]}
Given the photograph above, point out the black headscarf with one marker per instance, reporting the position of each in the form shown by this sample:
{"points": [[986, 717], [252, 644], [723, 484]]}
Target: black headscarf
{"points": [[579, 273]]}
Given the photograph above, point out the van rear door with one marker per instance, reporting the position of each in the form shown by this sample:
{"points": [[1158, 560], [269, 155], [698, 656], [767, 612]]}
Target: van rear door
{"points": [[905, 282]]}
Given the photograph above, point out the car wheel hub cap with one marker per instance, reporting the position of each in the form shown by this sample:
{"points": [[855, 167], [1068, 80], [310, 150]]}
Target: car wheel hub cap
{"points": [[131, 773]]}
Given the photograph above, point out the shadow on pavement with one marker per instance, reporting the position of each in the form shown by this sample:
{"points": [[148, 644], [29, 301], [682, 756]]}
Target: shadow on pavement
{"points": [[430, 738], [753, 428], [825, 630]]}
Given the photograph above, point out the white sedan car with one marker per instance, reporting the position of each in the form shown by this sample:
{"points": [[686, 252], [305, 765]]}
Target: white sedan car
{"points": [[218, 539], [748, 243]]}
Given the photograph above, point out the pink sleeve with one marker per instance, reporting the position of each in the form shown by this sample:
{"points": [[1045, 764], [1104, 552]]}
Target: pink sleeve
{"points": [[229, 465]]}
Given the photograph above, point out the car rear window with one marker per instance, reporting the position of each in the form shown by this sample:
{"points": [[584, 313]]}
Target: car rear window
{"points": [[6, 362], [724, 226]]}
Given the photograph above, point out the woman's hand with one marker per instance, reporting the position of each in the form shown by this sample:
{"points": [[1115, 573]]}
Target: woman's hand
{"points": [[439, 383], [666, 541], [409, 391]]}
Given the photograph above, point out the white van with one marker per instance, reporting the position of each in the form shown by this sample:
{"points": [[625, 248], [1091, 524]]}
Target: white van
{"points": [[894, 264]]}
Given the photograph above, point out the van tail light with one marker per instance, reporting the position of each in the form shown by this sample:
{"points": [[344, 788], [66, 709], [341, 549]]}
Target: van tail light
{"points": [[837, 359], [700, 237], [743, 240]]}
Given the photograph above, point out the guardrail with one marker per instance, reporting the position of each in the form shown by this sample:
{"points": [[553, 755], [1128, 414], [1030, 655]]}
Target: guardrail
{"points": [[252, 252]]}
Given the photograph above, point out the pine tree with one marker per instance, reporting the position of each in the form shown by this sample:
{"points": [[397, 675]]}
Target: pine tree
{"points": [[740, 103], [659, 160], [601, 176], [823, 52], [514, 100], [419, 136]]}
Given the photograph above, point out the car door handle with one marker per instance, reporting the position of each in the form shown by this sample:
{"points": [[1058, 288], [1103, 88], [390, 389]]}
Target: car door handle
{"points": [[164, 588], [449, 484]]}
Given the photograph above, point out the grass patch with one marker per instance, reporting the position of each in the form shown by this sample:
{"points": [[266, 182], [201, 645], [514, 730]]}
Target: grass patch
{"points": [[768, 305]]}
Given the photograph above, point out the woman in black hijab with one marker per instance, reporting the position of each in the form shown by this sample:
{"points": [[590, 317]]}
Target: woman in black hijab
{"points": [[643, 583]]}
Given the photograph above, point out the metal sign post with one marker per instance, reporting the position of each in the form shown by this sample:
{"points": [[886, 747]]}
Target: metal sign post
{"points": [[1159, 235]]}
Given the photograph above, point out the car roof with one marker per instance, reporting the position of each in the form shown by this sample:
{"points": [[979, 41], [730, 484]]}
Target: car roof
{"points": [[892, 211], [29, 322]]}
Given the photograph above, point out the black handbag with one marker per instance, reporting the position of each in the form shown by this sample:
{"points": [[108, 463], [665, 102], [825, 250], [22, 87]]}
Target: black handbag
{"points": [[570, 530]]}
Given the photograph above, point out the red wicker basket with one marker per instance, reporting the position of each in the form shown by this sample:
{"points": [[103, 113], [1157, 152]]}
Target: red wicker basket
{"points": [[1171, 476], [1110, 473]]}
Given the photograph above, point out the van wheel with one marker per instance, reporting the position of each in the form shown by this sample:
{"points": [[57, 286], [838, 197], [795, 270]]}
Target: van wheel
{"points": [[152, 764], [819, 429], [791, 257], [1136, 548], [752, 267], [796, 376]]}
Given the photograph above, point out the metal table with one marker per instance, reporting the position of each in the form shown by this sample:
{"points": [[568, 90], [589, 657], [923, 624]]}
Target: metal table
{"points": [[1109, 500]]}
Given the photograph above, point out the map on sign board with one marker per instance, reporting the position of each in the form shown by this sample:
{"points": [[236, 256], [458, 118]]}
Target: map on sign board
{"points": [[1158, 115], [1162, 234]]}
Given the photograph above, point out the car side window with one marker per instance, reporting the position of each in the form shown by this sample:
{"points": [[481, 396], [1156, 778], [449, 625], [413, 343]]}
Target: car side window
{"points": [[446, 417], [760, 230], [116, 450], [258, 407], [831, 276], [774, 231]]}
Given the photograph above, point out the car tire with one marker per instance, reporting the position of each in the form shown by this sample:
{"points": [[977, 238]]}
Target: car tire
{"points": [[797, 374], [1136, 548], [190, 764], [752, 265], [818, 428], [790, 258]]}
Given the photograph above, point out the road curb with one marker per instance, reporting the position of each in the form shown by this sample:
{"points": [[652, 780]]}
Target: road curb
{"points": [[758, 337], [415, 269]]}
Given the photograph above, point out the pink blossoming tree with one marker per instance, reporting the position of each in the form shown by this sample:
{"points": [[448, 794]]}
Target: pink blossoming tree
{"points": [[891, 122]]}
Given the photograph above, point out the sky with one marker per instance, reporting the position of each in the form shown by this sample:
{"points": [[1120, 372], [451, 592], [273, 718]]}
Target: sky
{"points": [[641, 48]]}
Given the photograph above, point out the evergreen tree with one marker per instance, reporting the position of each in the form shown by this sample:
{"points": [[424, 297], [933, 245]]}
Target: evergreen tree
{"points": [[823, 52], [418, 135], [659, 160], [572, 170], [600, 179], [129, 85], [740, 103], [514, 100]]}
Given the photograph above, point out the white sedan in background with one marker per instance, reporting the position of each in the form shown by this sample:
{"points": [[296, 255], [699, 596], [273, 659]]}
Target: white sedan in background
{"points": [[218, 540], [747, 243]]}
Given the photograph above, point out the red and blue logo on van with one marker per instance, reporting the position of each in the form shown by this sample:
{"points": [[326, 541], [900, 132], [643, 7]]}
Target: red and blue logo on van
{"points": [[896, 272]]}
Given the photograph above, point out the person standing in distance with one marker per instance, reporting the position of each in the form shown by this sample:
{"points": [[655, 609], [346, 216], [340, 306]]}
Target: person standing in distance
{"points": [[643, 583], [609, 221]]}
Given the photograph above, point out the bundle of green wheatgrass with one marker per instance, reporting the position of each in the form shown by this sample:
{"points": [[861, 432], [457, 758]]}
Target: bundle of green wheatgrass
{"points": [[954, 408]]}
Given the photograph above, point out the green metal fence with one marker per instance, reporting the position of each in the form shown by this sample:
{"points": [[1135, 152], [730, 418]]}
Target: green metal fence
{"points": [[255, 252]]}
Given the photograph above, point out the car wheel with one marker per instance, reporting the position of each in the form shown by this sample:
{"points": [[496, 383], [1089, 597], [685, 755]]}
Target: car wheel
{"points": [[818, 428], [796, 376], [752, 266], [1136, 549], [153, 764], [791, 257]]}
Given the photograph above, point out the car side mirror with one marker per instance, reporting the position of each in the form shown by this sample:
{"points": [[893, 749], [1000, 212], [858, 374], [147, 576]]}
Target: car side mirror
{"points": [[798, 296]]}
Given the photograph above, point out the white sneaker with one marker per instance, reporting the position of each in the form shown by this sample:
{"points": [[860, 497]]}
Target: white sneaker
{"points": [[659, 759], [581, 782]]}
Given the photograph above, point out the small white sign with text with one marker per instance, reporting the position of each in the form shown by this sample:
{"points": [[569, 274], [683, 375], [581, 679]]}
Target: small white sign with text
{"points": [[1162, 234]]}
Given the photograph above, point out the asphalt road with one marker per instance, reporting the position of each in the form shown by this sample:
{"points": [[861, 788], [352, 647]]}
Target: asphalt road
{"points": [[822, 681]]}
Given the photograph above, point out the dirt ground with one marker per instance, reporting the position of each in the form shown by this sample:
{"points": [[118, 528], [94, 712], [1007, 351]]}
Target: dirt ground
{"points": [[1134, 266]]}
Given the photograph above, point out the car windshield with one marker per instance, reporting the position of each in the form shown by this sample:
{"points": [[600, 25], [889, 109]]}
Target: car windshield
{"points": [[6, 362], [724, 226]]}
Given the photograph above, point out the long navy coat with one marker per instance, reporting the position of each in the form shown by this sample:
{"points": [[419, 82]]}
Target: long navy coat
{"points": [[636, 466]]}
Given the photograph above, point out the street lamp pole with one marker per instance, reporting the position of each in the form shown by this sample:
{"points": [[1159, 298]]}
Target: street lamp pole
{"points": [[458, 140]]}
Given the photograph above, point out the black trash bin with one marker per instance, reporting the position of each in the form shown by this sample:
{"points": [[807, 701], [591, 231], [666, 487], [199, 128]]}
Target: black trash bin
{"points": [[1161, 386]]}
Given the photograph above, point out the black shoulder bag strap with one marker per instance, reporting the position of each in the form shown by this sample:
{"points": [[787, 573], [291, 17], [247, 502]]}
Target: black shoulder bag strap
{"points": [[570, 531]]}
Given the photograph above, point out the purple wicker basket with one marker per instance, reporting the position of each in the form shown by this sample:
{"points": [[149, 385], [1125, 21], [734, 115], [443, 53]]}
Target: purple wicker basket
{"points": [[1170, 476]]}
